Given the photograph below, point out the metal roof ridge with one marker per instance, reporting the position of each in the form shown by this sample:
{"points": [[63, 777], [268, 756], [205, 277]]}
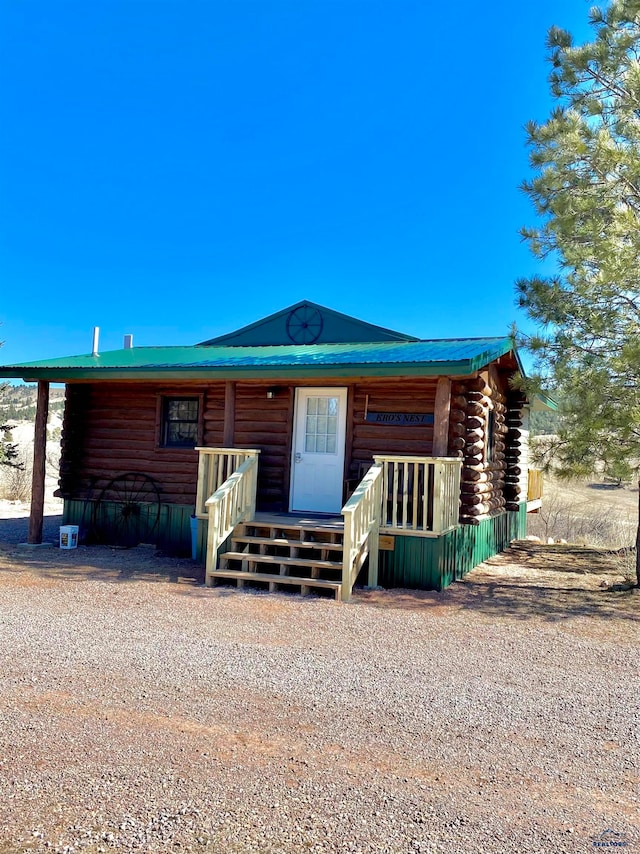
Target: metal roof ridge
{"points": [[347, 344], [399, 343]]}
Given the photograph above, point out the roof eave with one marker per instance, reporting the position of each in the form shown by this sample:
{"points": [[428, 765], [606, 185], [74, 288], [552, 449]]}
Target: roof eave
{"points": [[60, 375], [541, 402]]}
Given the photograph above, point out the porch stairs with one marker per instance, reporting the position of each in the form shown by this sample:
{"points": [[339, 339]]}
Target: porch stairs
{"points": [[282, 553]]}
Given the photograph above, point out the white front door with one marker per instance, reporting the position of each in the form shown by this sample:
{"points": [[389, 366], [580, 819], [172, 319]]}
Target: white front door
{"points": [[317, 465]]}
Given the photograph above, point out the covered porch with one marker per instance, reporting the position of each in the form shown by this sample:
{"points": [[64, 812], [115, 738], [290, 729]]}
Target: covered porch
{"points": [[399, 496]]}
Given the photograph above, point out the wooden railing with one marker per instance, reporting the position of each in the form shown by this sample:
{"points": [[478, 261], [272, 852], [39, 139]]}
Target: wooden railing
{"points": [[420, 495], [215, 466], [233, 502], [361, 525]]}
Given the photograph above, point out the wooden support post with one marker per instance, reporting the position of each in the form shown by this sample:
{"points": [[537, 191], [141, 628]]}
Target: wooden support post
{"points": [[211, 563], [441, 418], [374, 546], [346, 583], [252, 486], [39, 465], [229, 414], [286, 476], [348, 444]]}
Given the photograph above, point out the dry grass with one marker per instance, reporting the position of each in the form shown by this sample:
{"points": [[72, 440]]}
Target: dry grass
{"points": [[590, 513]]}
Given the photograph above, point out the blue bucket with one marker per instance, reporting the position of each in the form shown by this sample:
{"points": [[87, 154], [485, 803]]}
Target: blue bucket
{"points": [[194, 537]]}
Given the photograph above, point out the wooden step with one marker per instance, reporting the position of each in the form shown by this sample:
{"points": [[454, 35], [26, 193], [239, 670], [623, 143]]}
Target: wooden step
{"points": [[299, 529], [277, 579], [310, 563], [286, 543], [273, 580]]}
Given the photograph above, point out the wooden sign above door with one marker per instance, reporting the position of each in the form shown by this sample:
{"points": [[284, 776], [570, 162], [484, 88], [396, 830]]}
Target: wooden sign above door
{"points": [[404, 419]]}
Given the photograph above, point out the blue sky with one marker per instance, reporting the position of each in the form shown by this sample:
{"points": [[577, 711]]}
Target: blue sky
{"points": [[176, 169]]}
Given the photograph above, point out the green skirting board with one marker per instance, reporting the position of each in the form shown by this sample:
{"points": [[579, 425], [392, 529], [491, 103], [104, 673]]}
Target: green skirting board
{"points": [[169, 529], [433, 563]]}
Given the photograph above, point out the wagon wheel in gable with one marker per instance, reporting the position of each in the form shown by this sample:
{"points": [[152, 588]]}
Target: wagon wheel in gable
{"points": [[304, 324], [127, 511]]}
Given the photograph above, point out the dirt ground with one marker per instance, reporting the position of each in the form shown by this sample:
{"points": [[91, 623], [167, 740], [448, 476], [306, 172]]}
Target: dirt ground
{"points": [[549, 582], [605, 496], [530, 578]]}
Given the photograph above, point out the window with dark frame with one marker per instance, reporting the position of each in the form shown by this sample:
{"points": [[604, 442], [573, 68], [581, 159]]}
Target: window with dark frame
{"points": [[180, 419]]}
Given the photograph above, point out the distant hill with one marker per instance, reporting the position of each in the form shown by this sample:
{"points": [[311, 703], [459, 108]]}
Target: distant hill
{"points": [[17, 413], [545, 422], [18, 402]]}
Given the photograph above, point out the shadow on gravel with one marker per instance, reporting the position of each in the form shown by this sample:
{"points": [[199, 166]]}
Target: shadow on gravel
{"points": [[552, 582], [606, 487], [88, 563], [552, 605], [530, 580], [16, 530], [100, 563]]}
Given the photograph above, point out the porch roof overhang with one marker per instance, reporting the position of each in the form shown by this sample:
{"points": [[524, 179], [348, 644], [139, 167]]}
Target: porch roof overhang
{"points": [[452, 357], [541, 402]]}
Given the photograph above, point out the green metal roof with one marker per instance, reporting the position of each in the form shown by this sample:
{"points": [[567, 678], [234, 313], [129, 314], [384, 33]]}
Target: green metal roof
{"points": [[459, 356]]}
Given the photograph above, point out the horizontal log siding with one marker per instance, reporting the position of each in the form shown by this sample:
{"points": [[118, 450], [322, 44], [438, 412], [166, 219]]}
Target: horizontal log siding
{"points": [[401, 395], [266, 425], [213, 416], [111, 428], [71, 480]]}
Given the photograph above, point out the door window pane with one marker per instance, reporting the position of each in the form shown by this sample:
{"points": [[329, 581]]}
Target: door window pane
{"points": [[321, 425]]}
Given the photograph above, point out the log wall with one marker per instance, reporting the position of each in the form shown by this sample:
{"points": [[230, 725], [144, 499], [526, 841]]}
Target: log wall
{"points": [[513, 491], [399, 395], [111, 428], [478, 435], [266, 425], [525, 454]]}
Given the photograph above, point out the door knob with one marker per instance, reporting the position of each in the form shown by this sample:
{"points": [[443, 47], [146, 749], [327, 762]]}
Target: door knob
{"points": [[298, 458]]}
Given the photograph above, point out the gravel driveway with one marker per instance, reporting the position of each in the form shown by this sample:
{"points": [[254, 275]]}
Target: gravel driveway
{"points": [[140, 711]]}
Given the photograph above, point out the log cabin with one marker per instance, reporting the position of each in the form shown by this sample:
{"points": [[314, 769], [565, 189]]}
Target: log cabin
{"points": [[305, 450]]}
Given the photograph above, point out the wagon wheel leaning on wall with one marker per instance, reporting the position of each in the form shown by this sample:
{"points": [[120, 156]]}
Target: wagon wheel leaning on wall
{"points": [[127, 511], [90, 490]]}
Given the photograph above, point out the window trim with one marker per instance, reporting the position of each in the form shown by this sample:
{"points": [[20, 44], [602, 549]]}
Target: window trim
{"points": [[161, 402]]}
